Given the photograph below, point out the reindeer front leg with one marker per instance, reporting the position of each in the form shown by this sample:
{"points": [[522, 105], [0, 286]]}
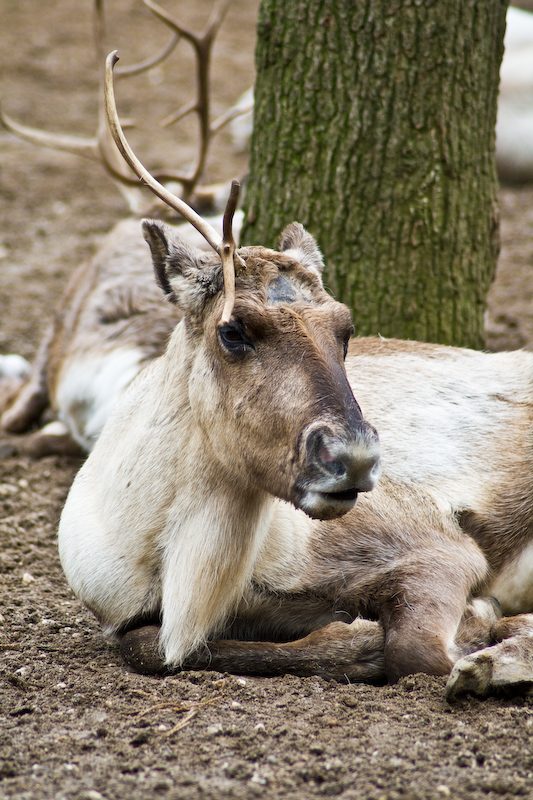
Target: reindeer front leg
{"points": [[338, 651], [424, 607]]}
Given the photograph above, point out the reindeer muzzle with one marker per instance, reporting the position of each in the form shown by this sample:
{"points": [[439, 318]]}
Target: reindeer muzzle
{"points": [[336, 468]]}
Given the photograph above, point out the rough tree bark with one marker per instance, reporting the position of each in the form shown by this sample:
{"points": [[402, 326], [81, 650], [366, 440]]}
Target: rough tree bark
{"points": [[374, 127]]}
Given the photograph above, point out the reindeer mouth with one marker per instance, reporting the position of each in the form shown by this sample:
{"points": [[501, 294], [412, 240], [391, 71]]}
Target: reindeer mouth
{"points": [[346, 496], [327, 505]]}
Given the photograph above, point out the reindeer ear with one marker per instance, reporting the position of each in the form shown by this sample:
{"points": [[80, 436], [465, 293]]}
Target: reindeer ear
{"points": [[182, 271], [296, 242]]}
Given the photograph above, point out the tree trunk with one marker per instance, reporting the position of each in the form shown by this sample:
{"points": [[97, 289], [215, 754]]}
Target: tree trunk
{"points": [[374, 127]]}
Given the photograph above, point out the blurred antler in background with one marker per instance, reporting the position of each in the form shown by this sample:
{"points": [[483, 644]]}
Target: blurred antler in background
{"points": [[102, 149]]}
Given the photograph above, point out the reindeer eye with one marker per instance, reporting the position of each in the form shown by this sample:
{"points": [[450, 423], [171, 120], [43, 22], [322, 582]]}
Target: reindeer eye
{"points": [[346, 341], [233, 339]]}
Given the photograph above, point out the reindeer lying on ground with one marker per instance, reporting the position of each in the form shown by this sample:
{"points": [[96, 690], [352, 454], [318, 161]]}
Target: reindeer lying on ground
{"points": [[217, 512], [215, 523], [109, 325]]}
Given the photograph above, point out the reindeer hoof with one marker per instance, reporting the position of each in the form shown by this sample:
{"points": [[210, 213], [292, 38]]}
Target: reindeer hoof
{"points": [[470, 675], [140, 650], [506, 667]]}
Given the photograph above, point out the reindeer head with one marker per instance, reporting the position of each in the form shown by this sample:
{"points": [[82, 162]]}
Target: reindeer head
{"points": [[265, 348], [267, 386]]}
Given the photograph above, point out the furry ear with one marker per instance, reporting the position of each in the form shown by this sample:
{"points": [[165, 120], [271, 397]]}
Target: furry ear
{"points": [[297, 243], [185, 274]]}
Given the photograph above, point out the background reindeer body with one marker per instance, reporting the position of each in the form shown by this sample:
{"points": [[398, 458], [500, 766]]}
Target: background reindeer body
{"points": [[110, 323], [108, 329]]}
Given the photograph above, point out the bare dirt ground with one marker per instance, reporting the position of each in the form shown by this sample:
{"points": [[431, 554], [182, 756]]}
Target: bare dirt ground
{"points": [[74, 723]]}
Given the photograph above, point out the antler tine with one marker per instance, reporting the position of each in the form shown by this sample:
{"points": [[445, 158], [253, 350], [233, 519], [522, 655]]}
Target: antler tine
{"points": [[144, 66], [228, 252], [217, 18], [99, 32], [202, 44], [80, 146], [210, 30], [181, 113], [230, 115], [165, 17], [91, 148]]}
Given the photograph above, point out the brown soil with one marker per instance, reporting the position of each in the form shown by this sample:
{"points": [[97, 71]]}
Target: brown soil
{"points": [[74, 723]]}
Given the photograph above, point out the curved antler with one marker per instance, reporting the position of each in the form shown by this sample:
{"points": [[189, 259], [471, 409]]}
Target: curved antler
{"points": [[225, 247], [203, 227]]}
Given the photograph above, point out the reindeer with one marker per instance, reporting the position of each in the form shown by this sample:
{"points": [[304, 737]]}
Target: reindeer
{"points": [[215, 523]]}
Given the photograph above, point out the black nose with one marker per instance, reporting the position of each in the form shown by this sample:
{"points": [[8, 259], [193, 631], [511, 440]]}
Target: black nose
{"points": [[345, 462], [319, 454]]}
